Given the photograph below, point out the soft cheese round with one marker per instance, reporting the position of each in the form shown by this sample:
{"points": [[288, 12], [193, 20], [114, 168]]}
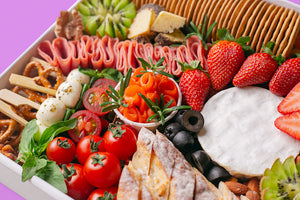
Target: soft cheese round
{"points": [[239, 132]]}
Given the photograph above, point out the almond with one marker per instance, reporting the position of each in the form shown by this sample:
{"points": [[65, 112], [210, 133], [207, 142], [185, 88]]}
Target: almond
{"points": [[252, 195], [236, 188], [253, 185]]}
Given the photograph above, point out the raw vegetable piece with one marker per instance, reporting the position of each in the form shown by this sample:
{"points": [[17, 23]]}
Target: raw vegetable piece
{"points": [[104, 83], [88, 123], [106, 193], [282, 181], [120, 141], [102, 169], [61, 150], [78, 187], [289, 124], [93, 98], [291, 103], [88, 145]]}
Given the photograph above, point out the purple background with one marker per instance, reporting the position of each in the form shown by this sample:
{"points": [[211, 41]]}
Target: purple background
{"points": [[22, 22]]}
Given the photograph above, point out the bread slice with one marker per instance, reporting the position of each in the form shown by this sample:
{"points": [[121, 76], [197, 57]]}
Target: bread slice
{"points": [[128, 187], [159, 171], [205, 189]]}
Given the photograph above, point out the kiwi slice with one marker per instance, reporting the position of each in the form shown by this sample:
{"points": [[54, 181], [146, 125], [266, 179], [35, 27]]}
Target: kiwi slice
{"points": [[282, 181], [107, 17]]}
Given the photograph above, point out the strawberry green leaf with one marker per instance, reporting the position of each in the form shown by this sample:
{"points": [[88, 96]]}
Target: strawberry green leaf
{"points": [[243, 40]]}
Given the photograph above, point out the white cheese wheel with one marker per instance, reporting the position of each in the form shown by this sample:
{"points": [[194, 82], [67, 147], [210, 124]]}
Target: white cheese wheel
{"points": [[75, 74], [51, 111], [239, 131], [69, 93]]}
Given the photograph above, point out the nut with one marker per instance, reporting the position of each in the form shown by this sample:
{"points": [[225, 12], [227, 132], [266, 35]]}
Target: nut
{"points": [[237, 188], [253, 185], [252, 195], [297, 160]]}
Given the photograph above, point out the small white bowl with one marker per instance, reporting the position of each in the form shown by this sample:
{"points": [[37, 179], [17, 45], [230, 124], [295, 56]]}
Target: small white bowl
{"points": [[151, 125]]}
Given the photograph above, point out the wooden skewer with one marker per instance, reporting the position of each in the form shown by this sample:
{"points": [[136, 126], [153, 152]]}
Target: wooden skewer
{"points": [[16, 99], [26, 82], [6, 109]]}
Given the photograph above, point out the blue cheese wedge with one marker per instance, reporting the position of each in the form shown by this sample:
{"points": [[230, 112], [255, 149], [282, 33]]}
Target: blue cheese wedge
{"points": [[239, 131], [167, 22]]}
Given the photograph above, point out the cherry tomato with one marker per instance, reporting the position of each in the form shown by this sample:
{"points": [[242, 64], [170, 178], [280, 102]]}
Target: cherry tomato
{"points": [[87, 124], [136, 133], [88, 145], [120, 141], [78, 187], [104, 83], [102, 169], [93, 98], [61, 150], [108, 193]]}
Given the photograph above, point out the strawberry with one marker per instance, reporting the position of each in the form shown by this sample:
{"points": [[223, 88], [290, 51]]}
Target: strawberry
{"points": [[286, 77], [291, 103], [225, 58], [258, 68], [194, 85], [289, 124]]}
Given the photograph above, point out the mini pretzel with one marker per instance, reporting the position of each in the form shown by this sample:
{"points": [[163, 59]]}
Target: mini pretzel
{"points": [[31, 95], [8, 151], [9, 126], [43, 74]]}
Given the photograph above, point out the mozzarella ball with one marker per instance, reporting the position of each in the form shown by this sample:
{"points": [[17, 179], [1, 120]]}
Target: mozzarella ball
{"points": [[69, 93], [51, 111], [75, 74]]}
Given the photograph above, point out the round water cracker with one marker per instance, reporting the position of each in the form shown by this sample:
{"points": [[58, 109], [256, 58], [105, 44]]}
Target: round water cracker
{"points": [[212, 15], [252, 18], [221, 17], [235, 13], [273, 26], [199, 7], [163, 3], [262, 23], [288, 32], [168, 6], [280, 22], [256, 21], [202, 13], [229, 13], [189, 9], [203, 6], [266, 27], [283, 28], [219, 14], [173, 6], [245, 18], [244, 10], [177, 8], [292, 38], [182, 7], [137, 3]]}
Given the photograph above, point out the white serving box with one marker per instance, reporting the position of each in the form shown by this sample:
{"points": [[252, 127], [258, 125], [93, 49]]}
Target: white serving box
{"points": [[10, 172]]}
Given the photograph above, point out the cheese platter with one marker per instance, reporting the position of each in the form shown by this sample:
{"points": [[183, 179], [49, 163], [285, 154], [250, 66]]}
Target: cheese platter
{"points": [[56, 47]]}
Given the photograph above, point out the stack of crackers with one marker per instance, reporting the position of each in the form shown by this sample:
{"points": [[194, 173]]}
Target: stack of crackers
{"points": [[261, 20]]}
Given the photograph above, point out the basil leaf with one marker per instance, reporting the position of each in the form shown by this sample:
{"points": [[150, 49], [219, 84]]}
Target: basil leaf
{"points": [[53, 131], [51, 173], [112, 74], [31, 165], [27, 141]]}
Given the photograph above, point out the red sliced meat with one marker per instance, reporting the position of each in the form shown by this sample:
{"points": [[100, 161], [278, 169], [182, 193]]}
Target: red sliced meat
{"points": [[46, 51], [61, 50]]}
